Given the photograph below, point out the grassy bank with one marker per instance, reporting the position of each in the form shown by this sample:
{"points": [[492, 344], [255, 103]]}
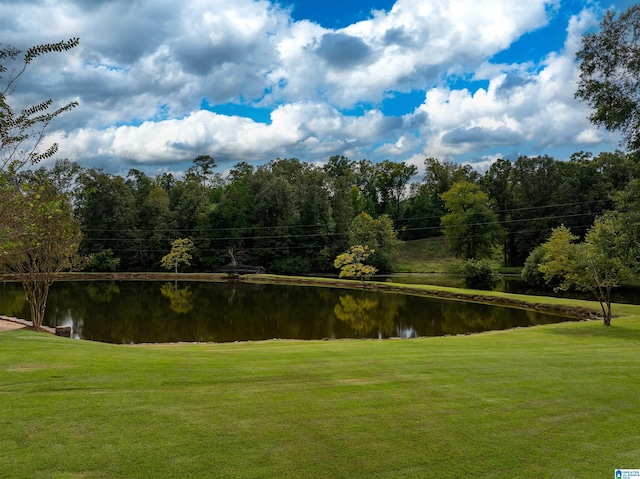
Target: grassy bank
{"points": [[551, 401]]}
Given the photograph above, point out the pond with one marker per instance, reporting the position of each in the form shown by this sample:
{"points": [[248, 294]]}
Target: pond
{"points": [[147, 311]]}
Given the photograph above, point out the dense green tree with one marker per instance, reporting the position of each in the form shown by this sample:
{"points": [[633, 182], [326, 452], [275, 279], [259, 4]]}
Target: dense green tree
{"points": [[470, 224], [391, 182], [610, 74], [480, 274], [102, 261], [425, 207], [497, 184], [105, 207], [378, 235], [365, 179], [535, 181], [341, 185], [231, 222]]}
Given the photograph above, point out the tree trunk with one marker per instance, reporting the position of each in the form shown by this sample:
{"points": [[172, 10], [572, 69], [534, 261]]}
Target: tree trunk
{"points": [[607, 314]]}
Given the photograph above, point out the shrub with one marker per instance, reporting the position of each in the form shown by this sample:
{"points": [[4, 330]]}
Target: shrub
{"points": [[480, 274], [531, 273], [381, 262], [103, 262]]}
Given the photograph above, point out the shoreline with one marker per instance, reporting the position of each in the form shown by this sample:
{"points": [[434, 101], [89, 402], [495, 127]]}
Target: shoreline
{"points": [[571, 308]]}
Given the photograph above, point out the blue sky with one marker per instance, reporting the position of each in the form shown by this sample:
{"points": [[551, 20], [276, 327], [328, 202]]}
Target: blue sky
{"points": [[160, 82]]}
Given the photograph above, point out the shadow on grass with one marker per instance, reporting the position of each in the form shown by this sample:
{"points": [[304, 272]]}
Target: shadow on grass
{"points": [[620, 329]]}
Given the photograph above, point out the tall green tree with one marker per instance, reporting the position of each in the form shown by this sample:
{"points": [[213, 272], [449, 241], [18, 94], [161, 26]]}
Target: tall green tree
{"points": [[391, 182], [470, 225], [497, 184], [535, 181], [425, 207], [106, 208], [610, 74]]}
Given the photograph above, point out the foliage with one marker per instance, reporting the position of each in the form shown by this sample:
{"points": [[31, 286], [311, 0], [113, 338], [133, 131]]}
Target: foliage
{"points": [[39, 240], [471, 226], [531, 272], [22, 132], [291, 265], [292, 217], [180, 254], [378, 235], [37, 234], [597, 265], [391, 181], [102, 261], [180, 298], [375, 233], [480, 274], [351, 264], [610, 74]]}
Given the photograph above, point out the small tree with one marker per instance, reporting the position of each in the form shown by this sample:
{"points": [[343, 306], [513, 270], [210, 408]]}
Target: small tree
{"points": [[598, 265], [37, 234], [351, 263], [41, 239], [180, 254]]}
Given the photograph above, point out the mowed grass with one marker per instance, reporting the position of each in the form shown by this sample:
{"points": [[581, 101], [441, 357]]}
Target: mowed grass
{"points": [[556, 401]]}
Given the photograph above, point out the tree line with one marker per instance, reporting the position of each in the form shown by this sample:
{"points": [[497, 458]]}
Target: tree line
{"points": [[295, 217]]}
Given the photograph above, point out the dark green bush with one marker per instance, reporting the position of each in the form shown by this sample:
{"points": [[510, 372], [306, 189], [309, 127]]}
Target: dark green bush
{"points": [[480, 274], [103, 262]]}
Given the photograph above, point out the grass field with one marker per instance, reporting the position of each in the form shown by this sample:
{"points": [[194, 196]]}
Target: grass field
{"points": [[429, 255], [556, 401]]}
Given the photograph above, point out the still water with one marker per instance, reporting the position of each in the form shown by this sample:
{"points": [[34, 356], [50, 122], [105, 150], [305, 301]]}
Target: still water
{"points": [[144, 311]]}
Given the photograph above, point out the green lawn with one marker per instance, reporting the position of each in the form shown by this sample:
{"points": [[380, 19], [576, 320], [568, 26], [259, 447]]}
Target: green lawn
{"points": [[557, 401]]}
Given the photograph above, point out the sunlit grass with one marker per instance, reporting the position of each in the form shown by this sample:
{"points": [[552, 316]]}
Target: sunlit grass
{"points": [[550, 401]]}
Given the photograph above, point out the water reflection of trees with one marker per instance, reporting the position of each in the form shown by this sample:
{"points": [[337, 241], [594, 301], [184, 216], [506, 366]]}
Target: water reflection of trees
{"points": [[370, 315], [139, 312], [13, 301], [358, 312], [102, 291], [180, 299]]}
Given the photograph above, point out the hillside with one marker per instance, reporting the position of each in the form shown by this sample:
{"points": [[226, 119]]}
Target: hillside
{"points": [[429, 255]]}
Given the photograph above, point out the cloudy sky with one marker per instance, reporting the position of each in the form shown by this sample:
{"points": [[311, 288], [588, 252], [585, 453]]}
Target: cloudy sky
{"points": [[160, 82]]}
